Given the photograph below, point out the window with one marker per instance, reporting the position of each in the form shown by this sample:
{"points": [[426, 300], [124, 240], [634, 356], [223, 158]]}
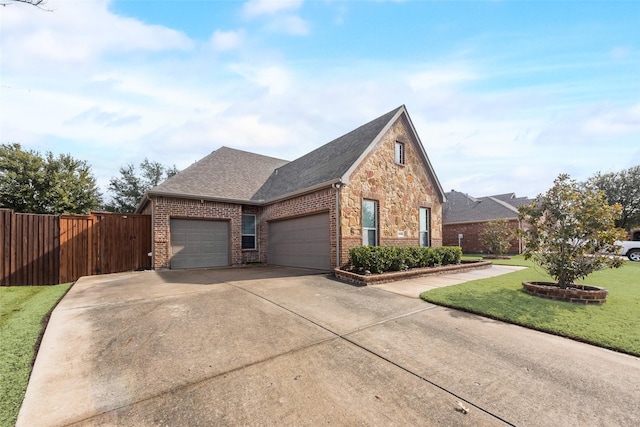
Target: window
{"points": [[369, 223], [399, 153], [425, 227], [248, 231]]}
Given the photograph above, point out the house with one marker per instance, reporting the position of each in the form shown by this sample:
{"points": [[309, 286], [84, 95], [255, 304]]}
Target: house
{"points": [[374, 186], [466, 215]]}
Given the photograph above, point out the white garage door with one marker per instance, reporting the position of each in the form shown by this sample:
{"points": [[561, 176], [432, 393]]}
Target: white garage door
{"points": [[199, 243], [300, 242]]}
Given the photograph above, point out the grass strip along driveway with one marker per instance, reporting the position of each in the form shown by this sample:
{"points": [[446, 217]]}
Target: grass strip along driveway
{"points": [[614, 324], [23, 314]]}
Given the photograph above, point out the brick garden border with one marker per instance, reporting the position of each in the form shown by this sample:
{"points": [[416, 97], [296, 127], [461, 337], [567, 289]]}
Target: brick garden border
{"points": [[376, 279], [581, 294]]}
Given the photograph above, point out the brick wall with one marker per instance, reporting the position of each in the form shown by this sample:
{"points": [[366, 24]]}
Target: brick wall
{"points": [[166, 208], [471, 243], [319, 201]]}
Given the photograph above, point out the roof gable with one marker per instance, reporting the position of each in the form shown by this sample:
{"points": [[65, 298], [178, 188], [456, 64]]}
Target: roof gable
{"points": [[325, 164]]}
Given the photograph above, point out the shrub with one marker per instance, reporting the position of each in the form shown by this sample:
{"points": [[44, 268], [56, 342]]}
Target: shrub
{"points": [[571, 231], [379, 259], [495, 236]]}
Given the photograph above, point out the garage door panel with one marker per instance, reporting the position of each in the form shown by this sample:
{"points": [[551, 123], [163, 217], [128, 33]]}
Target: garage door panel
{"points": [[199, 243], [300, 242]]}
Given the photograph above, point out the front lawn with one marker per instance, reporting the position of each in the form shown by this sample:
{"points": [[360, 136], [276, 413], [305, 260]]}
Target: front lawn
{"points": [[23, 314], [614, 324]]}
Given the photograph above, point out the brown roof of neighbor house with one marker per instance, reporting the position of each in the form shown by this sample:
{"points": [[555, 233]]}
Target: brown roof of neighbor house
{"points": [[460, 207], [234, 175]]}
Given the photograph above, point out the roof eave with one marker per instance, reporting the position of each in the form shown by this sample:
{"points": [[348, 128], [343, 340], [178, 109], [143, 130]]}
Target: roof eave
{"points": [[472, 221], [298, 192], [202, 197]]}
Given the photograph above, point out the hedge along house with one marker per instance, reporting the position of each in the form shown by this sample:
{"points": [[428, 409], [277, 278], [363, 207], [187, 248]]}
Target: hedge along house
{"points": [[374, 186]]}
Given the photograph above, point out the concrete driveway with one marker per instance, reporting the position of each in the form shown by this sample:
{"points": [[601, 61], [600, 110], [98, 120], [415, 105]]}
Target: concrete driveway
{"points": [[280, 346]]}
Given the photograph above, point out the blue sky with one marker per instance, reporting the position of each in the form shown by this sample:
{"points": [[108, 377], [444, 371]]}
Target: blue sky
{"points": [[505, 95]]}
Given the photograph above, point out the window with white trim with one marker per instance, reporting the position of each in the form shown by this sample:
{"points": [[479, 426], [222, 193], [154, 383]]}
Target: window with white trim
{"points": [[369, 223], [248, 231], [399, 157], [425, 227]]}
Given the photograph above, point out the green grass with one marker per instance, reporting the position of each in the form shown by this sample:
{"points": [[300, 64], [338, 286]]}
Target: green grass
{"points": [[614, 324], [24, 311], [514, 260]]}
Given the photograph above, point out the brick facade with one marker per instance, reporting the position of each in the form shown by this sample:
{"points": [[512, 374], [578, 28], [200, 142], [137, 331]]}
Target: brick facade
{"points": [[165, 208], [316, 202], [471, 243]]}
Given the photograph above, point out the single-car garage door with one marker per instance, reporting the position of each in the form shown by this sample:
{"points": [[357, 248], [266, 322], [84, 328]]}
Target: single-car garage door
{"points": [[199, 243], [300, 242]]}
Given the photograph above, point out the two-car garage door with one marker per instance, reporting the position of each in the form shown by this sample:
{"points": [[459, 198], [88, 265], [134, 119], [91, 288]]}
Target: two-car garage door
{"points": [[295, 242], [199, 243], [300, 242]]}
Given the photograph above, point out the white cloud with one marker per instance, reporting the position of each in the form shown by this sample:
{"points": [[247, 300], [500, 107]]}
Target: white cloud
{"points": [[275, 78], [227, 40], [439, 76], [279, 15], [255, 8], [291, 24], [591, 124], [77, 32]]}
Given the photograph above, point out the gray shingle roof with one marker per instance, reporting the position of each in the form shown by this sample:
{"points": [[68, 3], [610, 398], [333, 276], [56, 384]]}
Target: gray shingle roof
{"points": [[324, 164], [226, 173], [240, 176], [461, 207]]}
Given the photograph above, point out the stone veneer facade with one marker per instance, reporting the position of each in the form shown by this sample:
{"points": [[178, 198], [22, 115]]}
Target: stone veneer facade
{"points": [[400, 190]]}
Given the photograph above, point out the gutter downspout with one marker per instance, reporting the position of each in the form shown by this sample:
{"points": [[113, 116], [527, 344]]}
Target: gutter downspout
{"points": [[338, 186]]}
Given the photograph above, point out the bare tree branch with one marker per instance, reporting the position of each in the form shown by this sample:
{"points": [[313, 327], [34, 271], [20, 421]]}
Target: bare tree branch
{"points": [[40, 4]]}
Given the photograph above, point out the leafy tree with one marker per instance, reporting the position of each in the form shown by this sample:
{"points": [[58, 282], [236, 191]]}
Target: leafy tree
{"points": [[621, 188], [496, 236], [127, 189], [32, 183], [572, 231]]}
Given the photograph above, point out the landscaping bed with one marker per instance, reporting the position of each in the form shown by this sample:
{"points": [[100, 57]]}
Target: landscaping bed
{"points": [[392, 276], [581, 294]]}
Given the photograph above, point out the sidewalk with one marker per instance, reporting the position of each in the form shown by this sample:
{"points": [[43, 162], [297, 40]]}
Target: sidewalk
{"points": [[414, 287]]}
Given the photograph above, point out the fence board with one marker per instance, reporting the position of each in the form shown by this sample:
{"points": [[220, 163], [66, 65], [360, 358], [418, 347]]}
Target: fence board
{"points": [[49, 249]]}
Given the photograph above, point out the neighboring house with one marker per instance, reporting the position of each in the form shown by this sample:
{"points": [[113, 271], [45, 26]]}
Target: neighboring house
{"points": [[373, 186], [465, 215]]}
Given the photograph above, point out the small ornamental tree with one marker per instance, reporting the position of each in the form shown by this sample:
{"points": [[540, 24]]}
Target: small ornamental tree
{"points": [[495, 236], [571, 231]]}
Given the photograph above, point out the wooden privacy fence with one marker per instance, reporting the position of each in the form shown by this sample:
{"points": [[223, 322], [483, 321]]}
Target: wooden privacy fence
{"points": [[50, 249]]}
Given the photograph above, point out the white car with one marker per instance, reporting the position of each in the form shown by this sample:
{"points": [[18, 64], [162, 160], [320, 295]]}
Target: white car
{"points": [[630, 248]]}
